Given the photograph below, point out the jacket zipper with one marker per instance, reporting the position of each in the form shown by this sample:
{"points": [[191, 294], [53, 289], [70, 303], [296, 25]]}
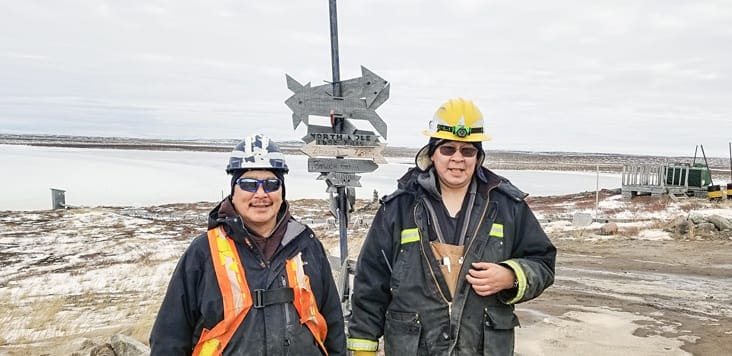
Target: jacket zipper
{"points": [[472, 240], [424, 253], [426, 258]]}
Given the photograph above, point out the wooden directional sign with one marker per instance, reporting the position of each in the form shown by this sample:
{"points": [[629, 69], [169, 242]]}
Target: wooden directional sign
{"points": [[368, 115], [341, 165], [341, 179], [313, 150], [369, 86], [332, 139], [323, 135], [361, 97]]}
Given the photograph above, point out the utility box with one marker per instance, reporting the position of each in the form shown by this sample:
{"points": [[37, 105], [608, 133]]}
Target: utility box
{"points": [[58, 199]]}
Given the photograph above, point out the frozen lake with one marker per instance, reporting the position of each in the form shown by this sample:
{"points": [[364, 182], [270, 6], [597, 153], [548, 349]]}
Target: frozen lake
{"points": [[103, 177]]}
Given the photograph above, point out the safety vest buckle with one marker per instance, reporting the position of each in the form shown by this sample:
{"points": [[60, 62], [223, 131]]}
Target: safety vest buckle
{"points": [[258, 298]]}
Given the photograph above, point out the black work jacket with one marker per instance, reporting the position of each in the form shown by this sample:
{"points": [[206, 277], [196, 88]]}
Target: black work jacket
{"points": [[400, 292], [193, 300]]}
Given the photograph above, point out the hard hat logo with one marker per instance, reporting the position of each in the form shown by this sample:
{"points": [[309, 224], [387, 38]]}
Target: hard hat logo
{"points": [[459, 130], [257, 152], [458, 120]]}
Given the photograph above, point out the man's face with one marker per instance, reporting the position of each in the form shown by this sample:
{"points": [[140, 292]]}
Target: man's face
{"points": [[455, 163], [258, 209]]}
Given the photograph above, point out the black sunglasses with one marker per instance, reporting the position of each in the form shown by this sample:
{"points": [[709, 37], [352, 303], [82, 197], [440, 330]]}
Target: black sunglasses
{"points": [[251, 185], [466, 151]]}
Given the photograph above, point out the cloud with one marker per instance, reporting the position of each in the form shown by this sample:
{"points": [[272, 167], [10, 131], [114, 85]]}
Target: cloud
{"points": [[569, 75]]}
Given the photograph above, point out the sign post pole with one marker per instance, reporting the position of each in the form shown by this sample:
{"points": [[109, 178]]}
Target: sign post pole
{"points": [[341, 150], [337, 123]]}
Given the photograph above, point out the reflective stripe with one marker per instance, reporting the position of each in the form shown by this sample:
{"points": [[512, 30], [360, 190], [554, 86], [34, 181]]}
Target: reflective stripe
{"points": [[209, 347], [305, 302], [228, 260], [496, 230], [410, 235], [362, 345], [234, 294], [520, 278]]}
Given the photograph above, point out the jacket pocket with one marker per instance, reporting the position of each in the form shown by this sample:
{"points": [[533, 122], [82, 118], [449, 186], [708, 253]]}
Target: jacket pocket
{"points": [[401, 333], [498, 331]]}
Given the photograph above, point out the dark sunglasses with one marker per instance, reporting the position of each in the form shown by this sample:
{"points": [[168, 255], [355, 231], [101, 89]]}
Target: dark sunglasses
{"points": [[466, 151], [251, 185]]}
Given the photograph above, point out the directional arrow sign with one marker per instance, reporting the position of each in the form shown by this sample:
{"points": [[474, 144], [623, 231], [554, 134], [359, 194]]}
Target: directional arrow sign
{"points": [[361, 96], [374, 152], [331, 139], [373, 88], [341, 179], [369, 86], [341, 165], [323, 135], [349, 108], [368, 115]]}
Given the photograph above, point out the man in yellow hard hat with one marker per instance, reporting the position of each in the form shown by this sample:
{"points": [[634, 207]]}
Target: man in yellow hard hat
{"points": [[449, 253]]}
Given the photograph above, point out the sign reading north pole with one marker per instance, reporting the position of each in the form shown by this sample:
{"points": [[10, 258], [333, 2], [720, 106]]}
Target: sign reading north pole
{"points": [[324, 135]]}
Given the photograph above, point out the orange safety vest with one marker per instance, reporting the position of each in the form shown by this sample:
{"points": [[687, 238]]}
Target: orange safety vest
{"points": [[237, 297]]}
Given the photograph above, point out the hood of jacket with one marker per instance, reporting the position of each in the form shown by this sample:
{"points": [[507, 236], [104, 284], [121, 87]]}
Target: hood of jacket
{"points": [[225, 214]]}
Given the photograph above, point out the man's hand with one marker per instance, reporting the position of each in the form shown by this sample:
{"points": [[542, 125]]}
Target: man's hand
{"points": [[490, 278]]}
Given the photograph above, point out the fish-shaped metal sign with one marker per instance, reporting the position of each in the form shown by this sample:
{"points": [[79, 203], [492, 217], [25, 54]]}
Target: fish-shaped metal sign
{"points": [[360, 98]]}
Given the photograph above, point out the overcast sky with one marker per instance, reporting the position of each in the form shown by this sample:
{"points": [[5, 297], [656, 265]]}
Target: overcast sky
{"points": [[620, 76]]}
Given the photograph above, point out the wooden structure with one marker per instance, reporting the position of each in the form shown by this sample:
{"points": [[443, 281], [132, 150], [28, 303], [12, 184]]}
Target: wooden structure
{"points": [[660, 179]]}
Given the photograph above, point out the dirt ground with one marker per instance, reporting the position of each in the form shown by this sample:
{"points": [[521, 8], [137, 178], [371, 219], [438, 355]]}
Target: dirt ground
{"points": [[618, 294], [621, 294]]}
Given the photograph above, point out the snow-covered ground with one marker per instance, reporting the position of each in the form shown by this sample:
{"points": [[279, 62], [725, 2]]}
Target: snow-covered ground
{"points": [[81, 273]]}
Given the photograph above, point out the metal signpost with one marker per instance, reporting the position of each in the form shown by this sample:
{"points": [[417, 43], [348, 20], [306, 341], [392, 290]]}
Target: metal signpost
{"points": [[340, 150]]}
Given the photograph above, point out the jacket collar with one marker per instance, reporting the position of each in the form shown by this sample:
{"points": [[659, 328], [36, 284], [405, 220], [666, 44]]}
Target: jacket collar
{"points": [[425, 179]]}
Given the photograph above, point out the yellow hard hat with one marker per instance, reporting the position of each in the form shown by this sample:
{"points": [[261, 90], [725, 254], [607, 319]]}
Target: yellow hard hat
{"points": [[458, 120]]}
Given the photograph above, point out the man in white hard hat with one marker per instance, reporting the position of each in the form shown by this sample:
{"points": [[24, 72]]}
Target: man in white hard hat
{"points": [[257, 282]]}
